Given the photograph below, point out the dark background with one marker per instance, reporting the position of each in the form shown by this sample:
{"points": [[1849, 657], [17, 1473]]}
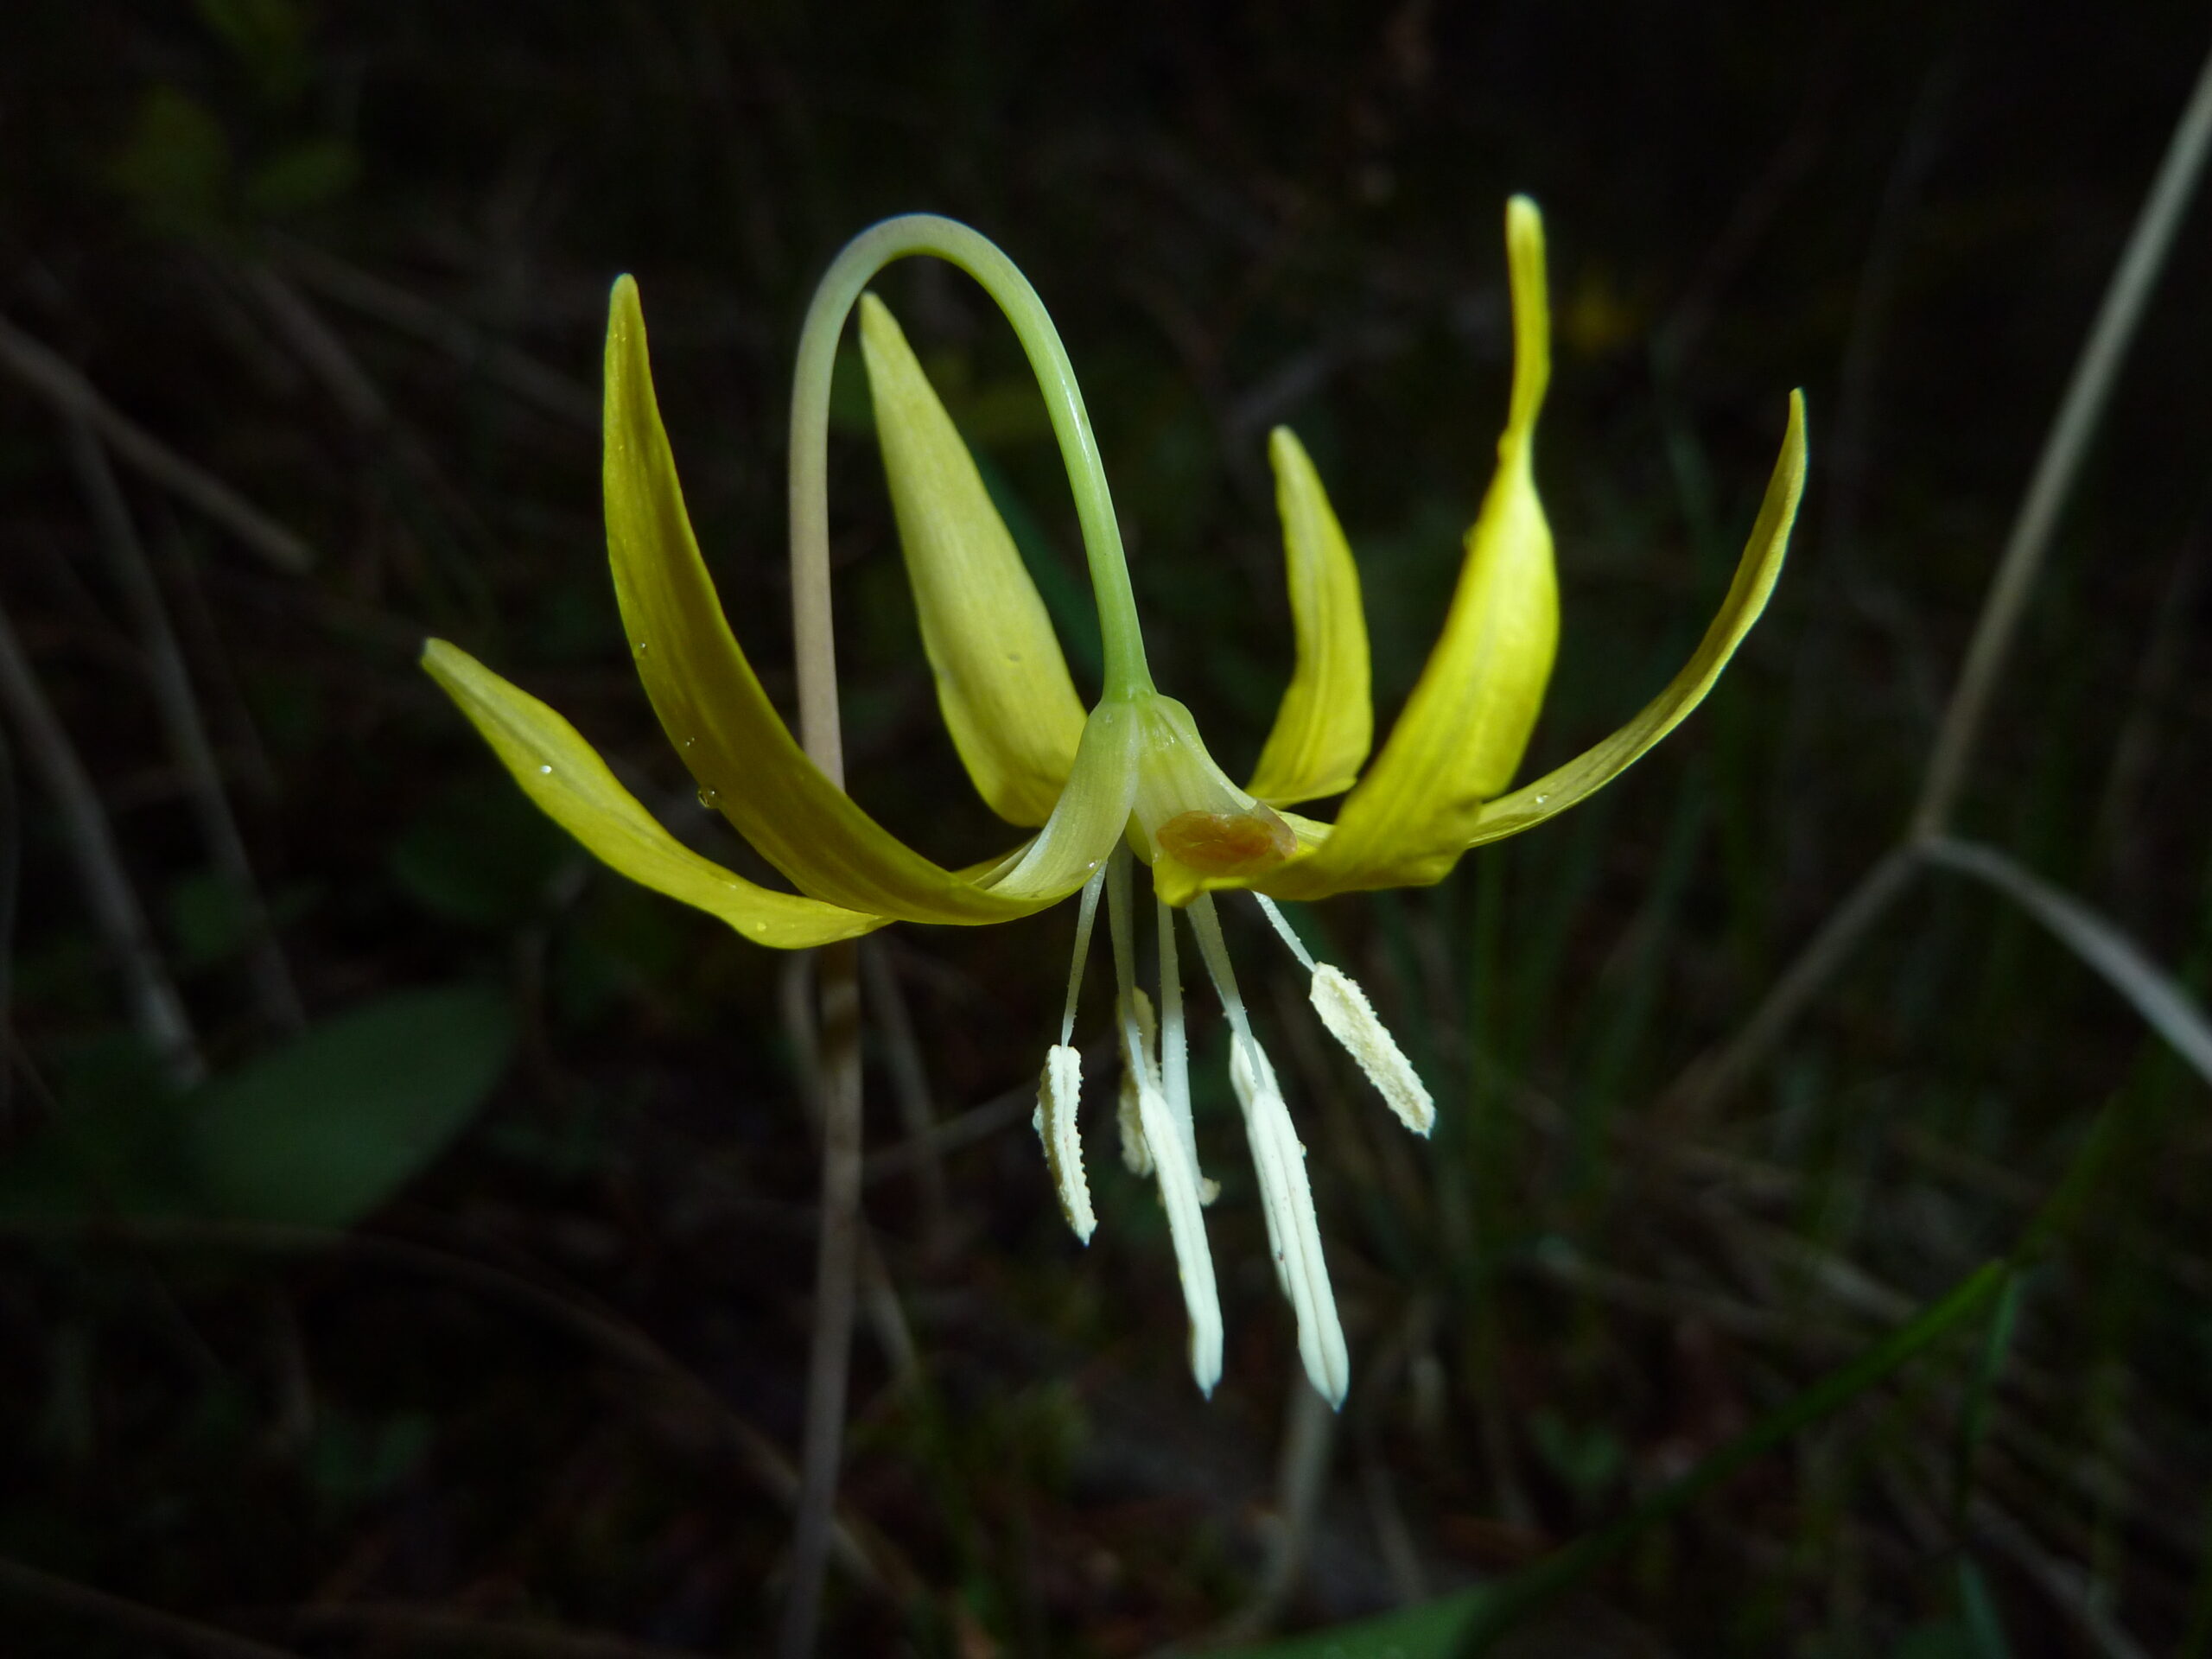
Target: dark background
{"points": [[352, 261]]}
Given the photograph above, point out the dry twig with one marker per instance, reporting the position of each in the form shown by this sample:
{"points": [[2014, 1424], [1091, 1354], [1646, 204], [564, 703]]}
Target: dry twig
{"points": [[174, 1633], [155, 1008], [76, 398], [2127, 296], [179, 708]]}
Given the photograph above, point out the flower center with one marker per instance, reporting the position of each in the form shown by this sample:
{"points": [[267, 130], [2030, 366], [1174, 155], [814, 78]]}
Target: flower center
{"points": [[1228, 843], [1186, 809]]}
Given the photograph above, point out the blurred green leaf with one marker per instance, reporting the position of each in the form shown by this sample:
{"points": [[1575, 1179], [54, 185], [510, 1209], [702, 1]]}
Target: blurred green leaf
{"points": [[621, 942], [323, 1132], [1949, 1640], [1587, 1459], [1977, 1606], [480, 854], [1429, 1630], [207, 920], [301, 176], [350, 1460], [113, 1149], [269, 39], [318, 1133], [175, 165], [1976, 1633]]}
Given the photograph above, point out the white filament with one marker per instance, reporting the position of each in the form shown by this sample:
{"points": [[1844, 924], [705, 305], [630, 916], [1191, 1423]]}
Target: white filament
{"points": [[1135, 1153], [1084, 917], [1286, 1195], [1282, 925], [1177, 1170], [1174, 1042]]}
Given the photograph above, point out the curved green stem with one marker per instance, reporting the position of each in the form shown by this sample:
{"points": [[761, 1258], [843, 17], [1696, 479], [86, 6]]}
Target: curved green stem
{"points": [[1126, 675]]}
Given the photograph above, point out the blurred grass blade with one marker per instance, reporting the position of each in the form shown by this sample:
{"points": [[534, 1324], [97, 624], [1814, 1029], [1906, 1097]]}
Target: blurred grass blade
{"points": [[2197, 1643], [1977, 1606], [1974, 1416], [1426, 1630], [1522, 1594], [2156, 996], [2078, 1185], [1465, 1625], [2142, 261]]}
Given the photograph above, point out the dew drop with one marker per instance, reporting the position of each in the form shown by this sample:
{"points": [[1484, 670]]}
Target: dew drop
{"points": [[546, 771], [710, 796], [1540, 800]]}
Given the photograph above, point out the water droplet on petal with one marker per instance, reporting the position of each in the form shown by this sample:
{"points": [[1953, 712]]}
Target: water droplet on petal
{"points": [[546, 771], [710, 796]]}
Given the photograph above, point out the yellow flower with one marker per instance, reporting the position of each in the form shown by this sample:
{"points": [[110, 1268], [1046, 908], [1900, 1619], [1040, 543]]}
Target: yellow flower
{"points": [[1130, 780]]}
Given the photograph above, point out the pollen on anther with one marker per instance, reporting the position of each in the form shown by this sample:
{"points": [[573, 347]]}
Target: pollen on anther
{"points": [[1351, 1019]]}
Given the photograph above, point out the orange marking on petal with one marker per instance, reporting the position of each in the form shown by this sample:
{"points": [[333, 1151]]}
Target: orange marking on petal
{"points": [[1228, 843]]}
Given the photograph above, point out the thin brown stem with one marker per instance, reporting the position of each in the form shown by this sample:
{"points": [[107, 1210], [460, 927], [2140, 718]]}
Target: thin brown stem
{"points": [[75, 397], [910, 1087], [1718, 1073], [868, 1559], [174, 1633], [1301, 1472], [426, 1629], [397, 307], [1713, 1076], [837, 1265], [837, 1075], [274, 994], [2156, 994], [1000, 1112], [155, 1008], [2125, 298]]}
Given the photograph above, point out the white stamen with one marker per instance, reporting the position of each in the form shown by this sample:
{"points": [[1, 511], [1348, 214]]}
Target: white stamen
{"points": [[1055, 1120], [1084, 917], [1292, 1227], [1344, 1009], [1135, 1153], [1283, 926], [1286, 1195], [1186, 1227], [1177, 1171]]}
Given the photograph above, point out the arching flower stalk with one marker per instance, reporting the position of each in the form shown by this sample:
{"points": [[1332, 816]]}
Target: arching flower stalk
{"points": [[1130, 780]]}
